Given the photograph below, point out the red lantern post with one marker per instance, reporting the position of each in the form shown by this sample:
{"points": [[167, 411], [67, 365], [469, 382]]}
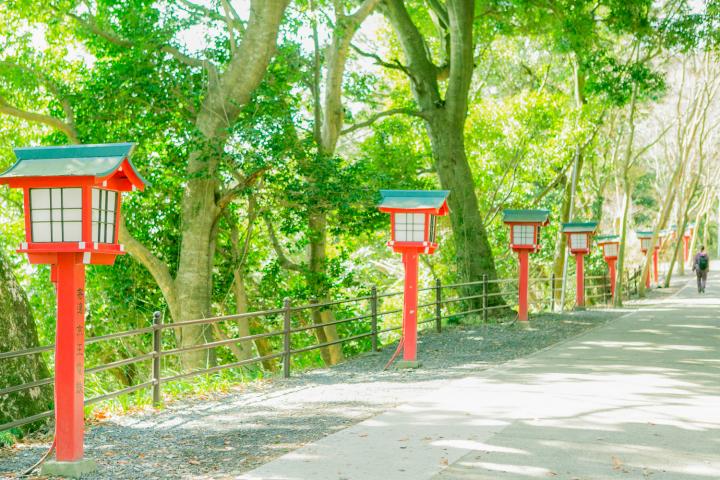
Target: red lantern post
{"points": [[611, 246], [525, 239], [689, 231], [645, 244], [72, 199], [579, 237], [413, 217]]}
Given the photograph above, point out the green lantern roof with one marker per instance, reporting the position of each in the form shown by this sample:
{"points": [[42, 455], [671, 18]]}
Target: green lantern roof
{"points": [[579, 227], [71, 161], [607, 238], [414, 200], [644, 234], [526, 216]]}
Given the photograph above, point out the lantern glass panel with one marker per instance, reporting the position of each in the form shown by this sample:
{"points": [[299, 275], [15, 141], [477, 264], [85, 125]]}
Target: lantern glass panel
{"points": [[578, 241], [523, 235], [56, 214], [104, 207], [610, 249], [433, 220], [409, 227], [645, 243]]}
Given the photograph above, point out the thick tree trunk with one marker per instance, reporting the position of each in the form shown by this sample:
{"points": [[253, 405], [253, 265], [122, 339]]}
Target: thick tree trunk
{"points": [[620, 269], [318, 257], [472, 249], [18, 332], [193, 280]]}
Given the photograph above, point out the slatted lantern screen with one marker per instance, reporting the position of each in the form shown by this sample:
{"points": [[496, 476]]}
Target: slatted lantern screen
{"points": [[410, 227], [645, 243], [56, 214], [611, 250], [524, 234], [104, 214], [578, 241]]}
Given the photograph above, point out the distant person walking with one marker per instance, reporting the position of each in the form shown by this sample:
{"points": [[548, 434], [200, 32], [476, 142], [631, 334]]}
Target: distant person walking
{"points": [[701, 265]]}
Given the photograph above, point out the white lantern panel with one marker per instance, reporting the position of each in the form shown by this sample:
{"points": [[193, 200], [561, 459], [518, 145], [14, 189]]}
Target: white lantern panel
{"points": [[523, 235], [41, 232], [410, 227], [578, 241], [40, 215], [57, 232], [104, 207], [110, 232], [72, 231], [55, 197], [56, 214], [112, 201], [72, 197], [611, 249], [72, 215], [645, 243], [39, 198]]}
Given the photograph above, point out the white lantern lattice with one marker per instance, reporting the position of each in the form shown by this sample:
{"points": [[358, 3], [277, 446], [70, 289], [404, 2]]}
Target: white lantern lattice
{"points": [[523, 235], [56, 214], [578, 241], [409, 227], [611, 249], [104, 206]]}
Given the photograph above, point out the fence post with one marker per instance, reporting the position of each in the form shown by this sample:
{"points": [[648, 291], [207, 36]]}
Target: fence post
{"points": [[438, 305], [286, 338], [374, 318], [157, 349], [605, 289], [552, 293], [485, 297]]}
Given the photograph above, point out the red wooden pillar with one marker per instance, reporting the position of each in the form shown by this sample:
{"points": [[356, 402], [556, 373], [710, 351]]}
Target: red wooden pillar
{"points": [[611, 266], [655, 265], [523, 258], [69, 357], [580, 280], [410, 300], [686, 248]]}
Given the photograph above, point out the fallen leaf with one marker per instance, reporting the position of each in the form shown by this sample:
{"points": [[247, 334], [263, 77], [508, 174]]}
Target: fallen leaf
{"points": [[444, 461], [194, 462], [617, 464]]}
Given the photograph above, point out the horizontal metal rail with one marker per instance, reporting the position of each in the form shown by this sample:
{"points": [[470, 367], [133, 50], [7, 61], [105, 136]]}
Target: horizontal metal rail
{"points": [[217, 368], [594, 283]]}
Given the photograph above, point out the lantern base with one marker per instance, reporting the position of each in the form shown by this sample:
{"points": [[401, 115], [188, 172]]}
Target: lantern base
{"points": [[402, 364], [68, 469]]}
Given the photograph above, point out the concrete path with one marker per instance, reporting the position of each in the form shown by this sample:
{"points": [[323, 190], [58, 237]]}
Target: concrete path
{"points": [[638, 398]]}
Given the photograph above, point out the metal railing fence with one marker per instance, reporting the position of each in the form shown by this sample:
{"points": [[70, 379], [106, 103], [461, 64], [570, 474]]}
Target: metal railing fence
{"points": [[436, 304]]}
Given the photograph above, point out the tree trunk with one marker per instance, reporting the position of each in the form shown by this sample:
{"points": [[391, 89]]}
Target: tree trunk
{"points": [[193, 280], [620, 269], [333, 354], [473, 253], [18, 332]]}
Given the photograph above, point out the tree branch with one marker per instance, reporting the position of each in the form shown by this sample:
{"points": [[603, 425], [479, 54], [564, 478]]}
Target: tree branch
{"points": [[92, 26], [53, 122], [157, 268], [233, 21], [375, 117], [395, 64], [282, 258], [234, 191]]}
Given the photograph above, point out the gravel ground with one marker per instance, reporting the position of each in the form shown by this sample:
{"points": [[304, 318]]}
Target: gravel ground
{"points": [[220, 436]]}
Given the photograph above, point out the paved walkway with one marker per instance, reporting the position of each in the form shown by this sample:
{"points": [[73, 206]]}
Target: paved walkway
{"points": [[638, 398]]}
